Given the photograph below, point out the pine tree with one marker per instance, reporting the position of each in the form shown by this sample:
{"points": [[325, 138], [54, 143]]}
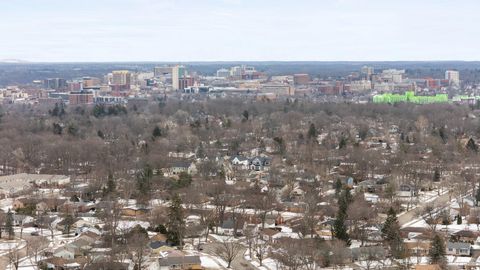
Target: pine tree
{"points": [[157, 132], [340, 228], [338, 187], [437, 251], [477, 196], [246, 115], [9, 225], [436, 175], [68, 222], [343, 143], [176, 224], [144, 180], [312, 132], [459, 219], [110, 184], [472, 146], [391, 233]]}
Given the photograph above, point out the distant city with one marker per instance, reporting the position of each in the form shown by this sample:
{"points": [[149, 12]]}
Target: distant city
{"points": [[267, 81]]}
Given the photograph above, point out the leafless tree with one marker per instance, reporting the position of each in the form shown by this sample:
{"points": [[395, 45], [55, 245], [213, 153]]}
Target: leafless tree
{"points": [[35, 245], [14, 257], [138, 250], [228, 250]]}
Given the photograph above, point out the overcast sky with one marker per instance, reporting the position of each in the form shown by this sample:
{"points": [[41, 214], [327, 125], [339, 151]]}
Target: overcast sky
{"points": [[225, 30]]}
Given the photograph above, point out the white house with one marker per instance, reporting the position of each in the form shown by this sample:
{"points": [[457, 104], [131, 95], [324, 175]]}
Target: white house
{"points": [[458, 248]]}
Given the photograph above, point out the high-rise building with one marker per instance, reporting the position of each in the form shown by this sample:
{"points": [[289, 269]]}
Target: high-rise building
{"points": [[121, 79], [301, 79], [74, 85], [80, 98], [178, 73], [223, 73], [367, 71], [90, 82], [453, 76], [55, 83]]}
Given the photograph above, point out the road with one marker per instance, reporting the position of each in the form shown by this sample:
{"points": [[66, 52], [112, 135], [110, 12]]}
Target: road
{"points": [[406, 217]]}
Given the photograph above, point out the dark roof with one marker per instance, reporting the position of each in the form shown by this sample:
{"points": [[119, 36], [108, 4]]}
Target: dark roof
{"points": [[157, 244], [179, 260]]}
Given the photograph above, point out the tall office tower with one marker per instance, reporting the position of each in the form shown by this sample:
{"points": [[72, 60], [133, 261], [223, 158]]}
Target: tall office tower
{"points": [[223, 73], [55, 83], [178, 73], [367, 72], [89, 82], [453, 76], [121, 79], [301, 79]]}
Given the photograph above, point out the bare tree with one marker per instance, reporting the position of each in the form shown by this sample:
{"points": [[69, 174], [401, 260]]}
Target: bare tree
{"points": [[14, 257], [138, 250], [261, 249], [228, 250], [35, 245]]}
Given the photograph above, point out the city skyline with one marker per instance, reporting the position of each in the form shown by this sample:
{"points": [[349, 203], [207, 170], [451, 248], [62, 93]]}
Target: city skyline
{"points": [[238, 30]]}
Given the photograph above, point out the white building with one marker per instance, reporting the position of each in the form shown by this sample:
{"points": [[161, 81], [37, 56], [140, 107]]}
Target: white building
{"points": [[453, 76], [223, 73]]}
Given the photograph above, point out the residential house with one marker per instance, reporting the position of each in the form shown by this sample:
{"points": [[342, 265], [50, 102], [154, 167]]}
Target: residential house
{"points": [[179, 167], [406, 190], [465, 236], [260, 163], [240, 162], [417, 247], [229, 227], [41, 207], [135, 211], [58, 263], [65, 252], [458, 249], [180, 263]]}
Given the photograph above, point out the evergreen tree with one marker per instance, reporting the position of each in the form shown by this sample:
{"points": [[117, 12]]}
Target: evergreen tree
{"points": [[437, 251], [343, 143], [68, 222], [9, 225], [200, 151], [391, 233], [144, 179], [472, 146], [100, 134], [436, 175], [338, 187], [312, 132], [111, 186], [459, 219], [57, 129], [443, 134], [246, 115], [477, 196], [157, 132], [340, 230], [175, 224]]}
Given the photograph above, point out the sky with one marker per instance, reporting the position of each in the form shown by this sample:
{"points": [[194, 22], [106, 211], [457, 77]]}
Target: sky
{"points": [[239, 30]]}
